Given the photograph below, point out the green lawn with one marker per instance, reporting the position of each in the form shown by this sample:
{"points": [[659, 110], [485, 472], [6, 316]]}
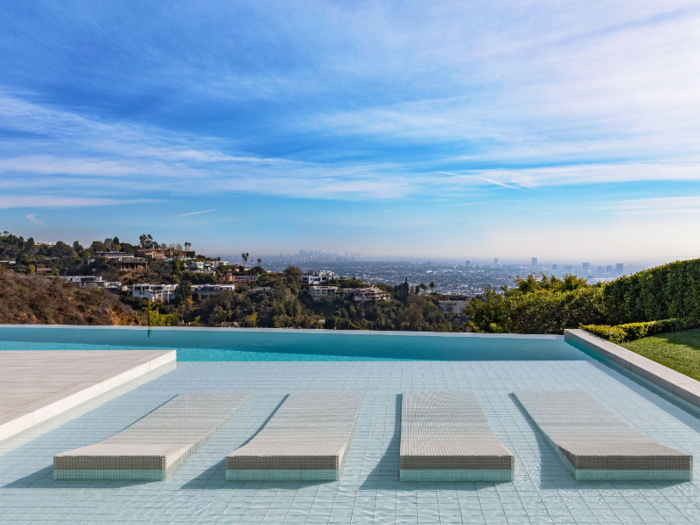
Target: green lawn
{"points": [[677, 350]]}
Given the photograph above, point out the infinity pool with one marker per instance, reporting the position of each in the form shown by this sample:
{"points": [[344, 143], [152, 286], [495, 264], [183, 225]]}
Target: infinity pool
{"points": [[271, 364], [293, 345]]}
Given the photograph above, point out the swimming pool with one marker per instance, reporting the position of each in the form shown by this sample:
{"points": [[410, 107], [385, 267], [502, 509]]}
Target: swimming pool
{"points": [[272, 364], [207, 344]]}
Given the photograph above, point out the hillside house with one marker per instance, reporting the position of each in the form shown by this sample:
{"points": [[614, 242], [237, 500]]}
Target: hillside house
{"points": [[323, 293]]}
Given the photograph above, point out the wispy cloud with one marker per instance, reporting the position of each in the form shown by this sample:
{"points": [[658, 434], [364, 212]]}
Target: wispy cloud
{"points": [[32, 218], [194, 213], [47, 201], [684, 203], [425, 106], [490, 181]]}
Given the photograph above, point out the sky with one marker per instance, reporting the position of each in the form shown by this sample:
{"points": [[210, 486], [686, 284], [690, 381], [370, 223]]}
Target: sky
{"points": [[511, 129]]}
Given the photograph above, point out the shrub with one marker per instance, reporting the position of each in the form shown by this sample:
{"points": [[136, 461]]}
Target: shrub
{"points": [[158, 319], [625, 333], [614, 334]]}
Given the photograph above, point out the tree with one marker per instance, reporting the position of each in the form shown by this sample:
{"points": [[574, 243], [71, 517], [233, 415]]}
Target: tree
{"points": [[97, 246], [31, 269], [146, 241], [292, 271], [402, 291], [62, 250], [219, 315], [546, 305], [422, 287], [187, 246], [245, 256], [432, 286], [77, 247], [178, 266], [259, 261], [184, 292]]}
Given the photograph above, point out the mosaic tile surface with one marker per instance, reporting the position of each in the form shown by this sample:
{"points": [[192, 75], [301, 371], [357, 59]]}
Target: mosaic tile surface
{"points": [[369, 490]]}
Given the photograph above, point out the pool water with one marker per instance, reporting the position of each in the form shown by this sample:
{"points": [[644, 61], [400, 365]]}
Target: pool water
{"points": [[293, 345], [271, 364]]}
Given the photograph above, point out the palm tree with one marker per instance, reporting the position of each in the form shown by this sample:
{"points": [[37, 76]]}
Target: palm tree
{"points": [[244, 256], [259, 261], [187, 246], [432, 286]]}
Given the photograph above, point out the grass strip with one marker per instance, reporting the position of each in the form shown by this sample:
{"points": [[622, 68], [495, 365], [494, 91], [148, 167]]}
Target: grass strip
{"points": [[679, 351]]}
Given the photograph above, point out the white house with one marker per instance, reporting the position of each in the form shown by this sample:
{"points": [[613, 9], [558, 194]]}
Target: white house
{"points": [[162, 293], [369, 294], [317, 276], [212, 289], [196, 265], [323, 293], [91, 281], [454, 307], [205, 266]]}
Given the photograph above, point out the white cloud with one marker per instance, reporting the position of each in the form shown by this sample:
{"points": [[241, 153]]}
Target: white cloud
{"points": [[32, 218], [44, 201], [664, 204], [485, 179], [194, 213], [606, 89]]}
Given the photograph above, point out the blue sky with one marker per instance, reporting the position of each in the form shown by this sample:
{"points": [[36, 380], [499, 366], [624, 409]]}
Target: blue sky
{"points": [[464, 129]]}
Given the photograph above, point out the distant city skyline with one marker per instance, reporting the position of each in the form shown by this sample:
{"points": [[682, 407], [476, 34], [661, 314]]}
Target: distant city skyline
{"points": [[432, 130]]}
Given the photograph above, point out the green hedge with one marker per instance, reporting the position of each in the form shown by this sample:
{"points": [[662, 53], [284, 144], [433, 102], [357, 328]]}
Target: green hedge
{"points": [[541, 312], [624, 333], [669, 291]]}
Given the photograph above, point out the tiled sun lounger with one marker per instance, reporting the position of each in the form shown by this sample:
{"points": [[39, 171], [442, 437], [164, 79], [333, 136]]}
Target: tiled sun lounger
{"points": [[445, 436], [307, 439], [596, 445], [154, 446]]}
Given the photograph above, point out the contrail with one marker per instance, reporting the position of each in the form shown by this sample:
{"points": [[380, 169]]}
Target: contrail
{"points": [[193, 213], [484, 179]]}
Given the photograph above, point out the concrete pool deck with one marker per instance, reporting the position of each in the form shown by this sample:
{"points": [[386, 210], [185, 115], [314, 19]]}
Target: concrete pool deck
{"points": [[37, 385]]}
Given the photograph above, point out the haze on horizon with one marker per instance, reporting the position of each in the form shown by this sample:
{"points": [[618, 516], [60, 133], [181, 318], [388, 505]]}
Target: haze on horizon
{"points": [[472, 130]]}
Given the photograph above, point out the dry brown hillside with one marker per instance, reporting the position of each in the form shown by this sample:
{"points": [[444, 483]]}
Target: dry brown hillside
{"points": [[33, 299]]}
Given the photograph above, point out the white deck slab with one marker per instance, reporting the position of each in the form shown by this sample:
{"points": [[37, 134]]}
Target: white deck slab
{"points": [[154, 446], [596, 445], [36, 385], [445, 436], [307, 439]]}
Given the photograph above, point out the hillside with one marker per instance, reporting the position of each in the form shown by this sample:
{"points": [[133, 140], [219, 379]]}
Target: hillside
{"points": [[32, 299]]}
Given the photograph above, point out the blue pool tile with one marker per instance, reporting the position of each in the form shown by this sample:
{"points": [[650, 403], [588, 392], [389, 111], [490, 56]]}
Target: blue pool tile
{"points": [[369, 491]]}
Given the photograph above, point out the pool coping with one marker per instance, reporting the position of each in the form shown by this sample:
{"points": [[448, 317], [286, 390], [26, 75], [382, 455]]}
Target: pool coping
{"points": [[680, 385], [387, 333]]}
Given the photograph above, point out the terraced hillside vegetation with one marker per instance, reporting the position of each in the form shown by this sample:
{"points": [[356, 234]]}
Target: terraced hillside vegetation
{"points": [[34, 299]]}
